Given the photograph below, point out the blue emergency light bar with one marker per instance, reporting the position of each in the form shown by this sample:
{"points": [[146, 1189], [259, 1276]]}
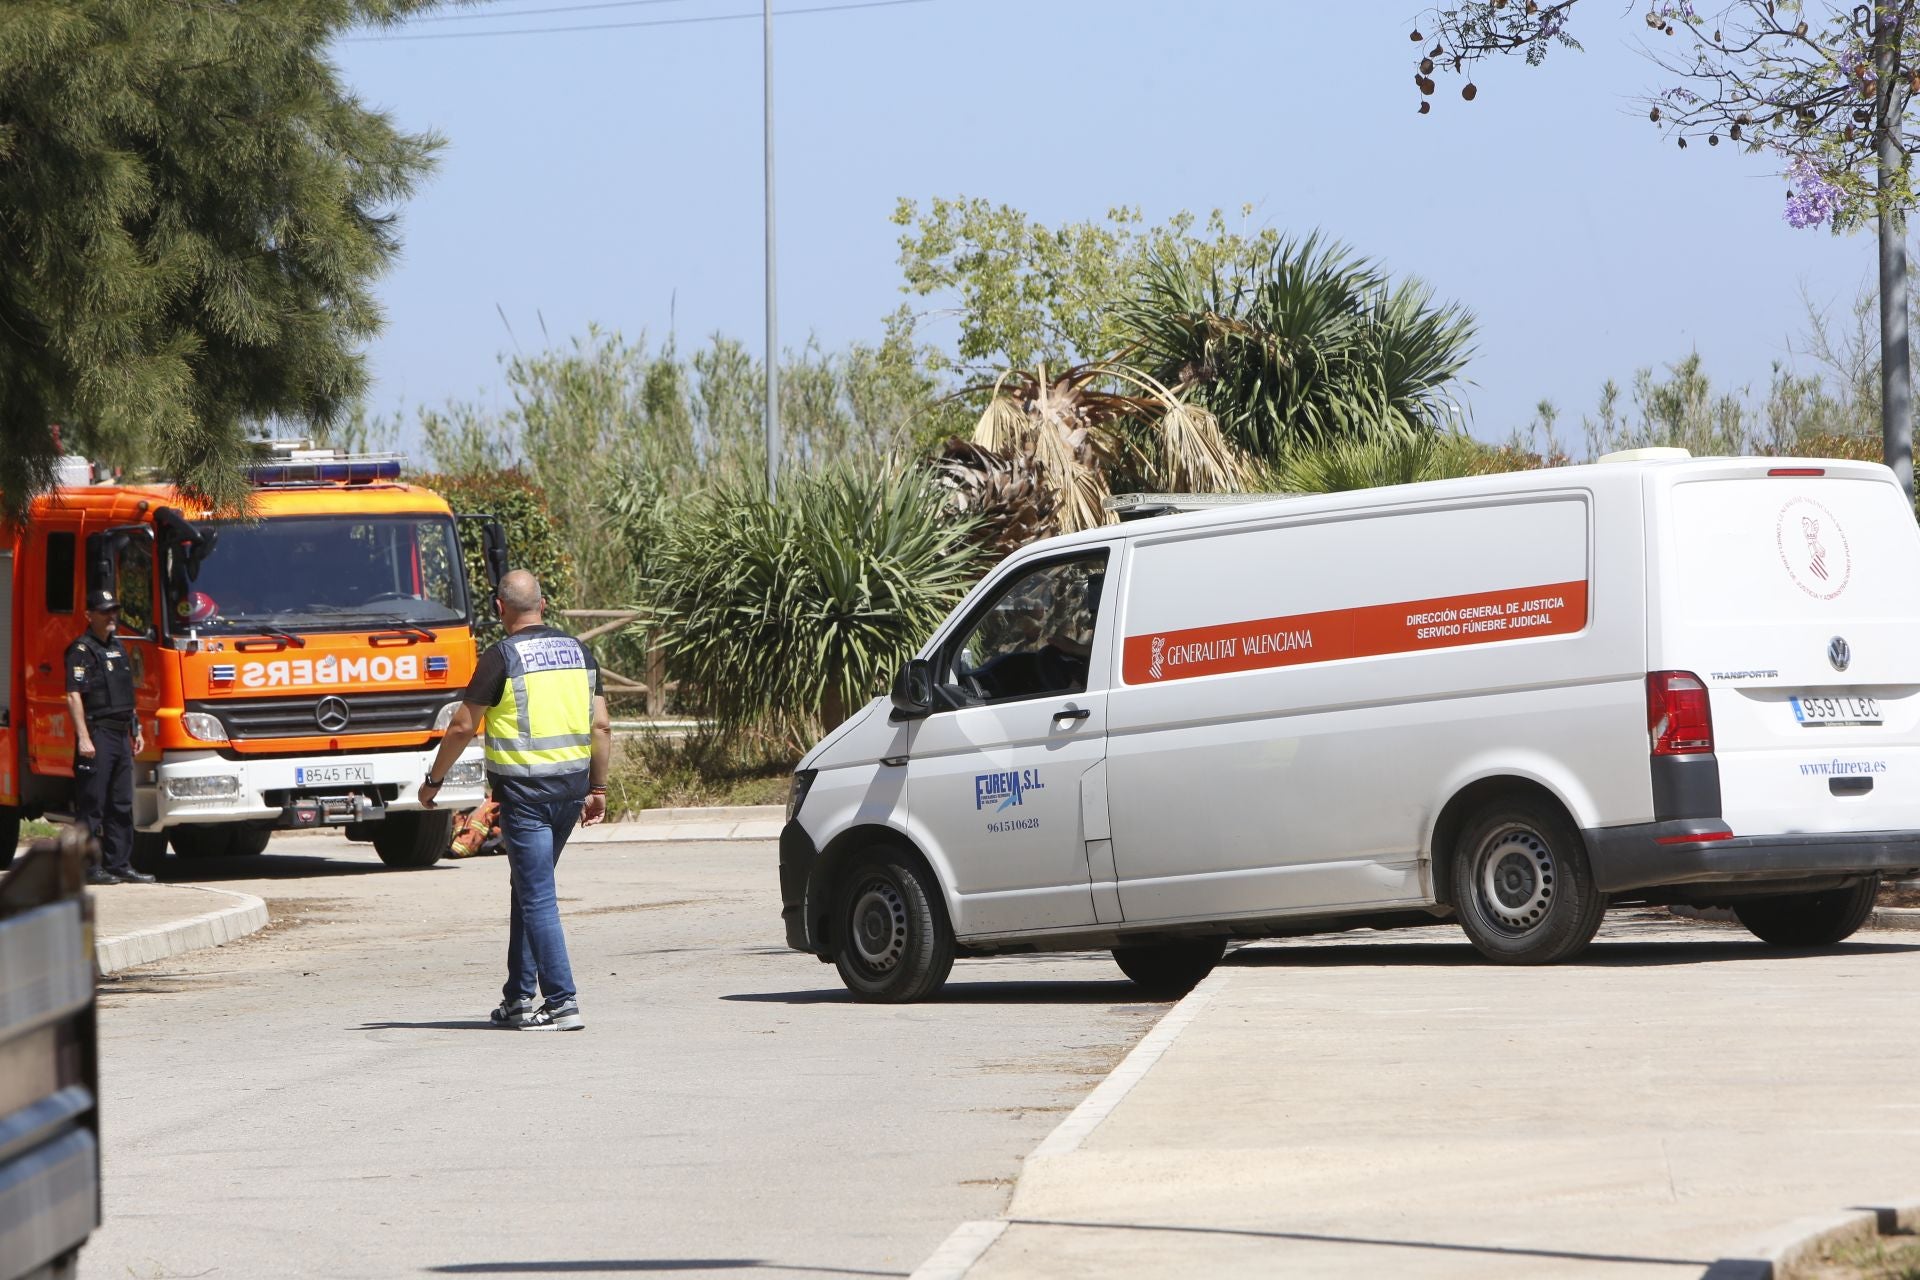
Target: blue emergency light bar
{"points": [[342, 469]]}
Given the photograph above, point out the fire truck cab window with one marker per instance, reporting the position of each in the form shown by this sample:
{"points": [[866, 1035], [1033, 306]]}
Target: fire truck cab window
{"points": [[1037, 636], [61, 548], [313, 573]]}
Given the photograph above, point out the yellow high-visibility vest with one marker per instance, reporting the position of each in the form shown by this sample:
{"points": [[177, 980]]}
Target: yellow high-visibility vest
{"points": [[543, 723]]}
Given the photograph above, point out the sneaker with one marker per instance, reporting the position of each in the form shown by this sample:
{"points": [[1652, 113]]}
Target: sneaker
{"points": [[566, 1017], [513, 1014], [136, 877], [98, 875]]}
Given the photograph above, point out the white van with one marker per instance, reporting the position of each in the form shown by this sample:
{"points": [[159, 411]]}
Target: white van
{"points": [[1510, 700]]}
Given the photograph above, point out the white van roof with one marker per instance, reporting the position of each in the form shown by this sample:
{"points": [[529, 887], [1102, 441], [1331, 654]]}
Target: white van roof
{"points": [[1615, 469]]}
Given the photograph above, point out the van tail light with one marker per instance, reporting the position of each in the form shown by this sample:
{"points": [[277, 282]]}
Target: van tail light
{"points": [[1679, 722], [1797, 471]]}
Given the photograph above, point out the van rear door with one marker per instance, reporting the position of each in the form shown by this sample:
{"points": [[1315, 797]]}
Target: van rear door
{"points": [[1793, 591]]}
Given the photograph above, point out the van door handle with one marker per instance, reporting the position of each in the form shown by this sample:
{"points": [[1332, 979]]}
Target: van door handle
{"points": [[1073, 713]]}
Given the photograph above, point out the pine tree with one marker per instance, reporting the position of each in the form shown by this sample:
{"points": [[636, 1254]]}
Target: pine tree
{"points": [[193, 208]]}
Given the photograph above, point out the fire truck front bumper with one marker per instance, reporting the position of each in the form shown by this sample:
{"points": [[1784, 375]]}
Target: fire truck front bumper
{"points": [[205, 786]]}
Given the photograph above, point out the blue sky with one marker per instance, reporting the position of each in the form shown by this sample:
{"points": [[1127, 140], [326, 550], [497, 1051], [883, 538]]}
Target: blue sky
{"points": [[614, 177]]}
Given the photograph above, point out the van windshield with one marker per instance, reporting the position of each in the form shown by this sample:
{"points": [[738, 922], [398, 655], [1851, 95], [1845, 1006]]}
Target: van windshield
{"points": [[318, 573]]}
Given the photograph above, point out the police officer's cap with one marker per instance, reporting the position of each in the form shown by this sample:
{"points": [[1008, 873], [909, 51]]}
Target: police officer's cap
{"points": [[102, 602]]}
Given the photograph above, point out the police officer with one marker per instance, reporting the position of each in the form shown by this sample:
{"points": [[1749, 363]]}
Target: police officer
{"points": [[107, 738], [536, 698]]}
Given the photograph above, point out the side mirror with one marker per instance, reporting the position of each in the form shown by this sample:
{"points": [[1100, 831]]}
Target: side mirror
{"points": [[912, 693], [494, 546]]}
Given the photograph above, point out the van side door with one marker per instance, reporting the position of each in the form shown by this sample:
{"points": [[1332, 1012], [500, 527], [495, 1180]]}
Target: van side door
{"points": [[996, 771]]}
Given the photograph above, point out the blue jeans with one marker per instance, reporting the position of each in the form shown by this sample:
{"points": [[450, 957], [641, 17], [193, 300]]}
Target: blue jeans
{"points": [[535, 835]]}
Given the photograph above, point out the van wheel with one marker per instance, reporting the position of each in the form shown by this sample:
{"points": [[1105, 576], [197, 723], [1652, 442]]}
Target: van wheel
{"points": [[149, 852], [1169, 969], [1809, 919], [892, 943], [1521, 885], [413, 839]]}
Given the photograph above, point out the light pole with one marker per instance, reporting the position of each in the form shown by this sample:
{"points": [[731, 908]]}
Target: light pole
{"points": [[773, 323]]}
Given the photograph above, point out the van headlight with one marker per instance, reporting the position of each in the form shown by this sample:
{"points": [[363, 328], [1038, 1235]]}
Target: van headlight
{"points": [[467, 773], [797, 792], [445, 718], [203, 726], [211, 787]]}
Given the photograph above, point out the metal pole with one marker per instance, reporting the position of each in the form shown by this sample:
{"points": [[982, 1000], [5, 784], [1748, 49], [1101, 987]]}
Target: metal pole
{"points": [[773, 324], [1896, 367]]}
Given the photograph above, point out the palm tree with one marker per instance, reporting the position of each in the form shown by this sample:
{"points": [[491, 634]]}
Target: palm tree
{"points": [[1091, 424], [1317, 346]]}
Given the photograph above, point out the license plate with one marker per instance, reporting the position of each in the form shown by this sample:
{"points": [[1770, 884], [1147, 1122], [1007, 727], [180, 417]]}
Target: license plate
{"points": [[329, 775], [1816, 710]]}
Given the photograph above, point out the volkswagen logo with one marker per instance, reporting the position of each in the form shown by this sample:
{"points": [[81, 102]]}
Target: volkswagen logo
{"points": [[1839, 653], [331, 714]]}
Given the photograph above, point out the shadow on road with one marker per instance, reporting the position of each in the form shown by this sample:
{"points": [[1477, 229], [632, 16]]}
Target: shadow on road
{"points": [[1118, 991], [1601, 955], [611, 1266], [277, 866], [465, 1024]]}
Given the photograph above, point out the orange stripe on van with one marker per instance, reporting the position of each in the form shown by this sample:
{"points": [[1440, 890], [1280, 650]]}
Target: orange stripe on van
{"points": [[1368, 631]]}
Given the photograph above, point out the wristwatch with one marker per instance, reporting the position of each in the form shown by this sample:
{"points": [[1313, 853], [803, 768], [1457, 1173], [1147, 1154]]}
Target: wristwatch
{"points": [[431, 781]]}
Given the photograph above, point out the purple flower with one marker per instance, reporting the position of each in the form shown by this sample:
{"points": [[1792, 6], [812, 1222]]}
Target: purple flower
{"points": [[1811, 200]]}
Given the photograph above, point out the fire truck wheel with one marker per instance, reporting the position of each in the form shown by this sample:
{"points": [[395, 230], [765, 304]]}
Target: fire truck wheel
{"points": [[9, 834], [203, 841], [149, 851], [250, 841], [413, 839]]}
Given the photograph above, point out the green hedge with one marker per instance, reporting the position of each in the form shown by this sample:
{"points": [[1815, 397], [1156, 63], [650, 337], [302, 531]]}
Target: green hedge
{"points": [[533, 541]]}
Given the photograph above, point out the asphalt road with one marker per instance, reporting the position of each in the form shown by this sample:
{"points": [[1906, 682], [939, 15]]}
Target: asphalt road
{"points": [[326, 1098]]}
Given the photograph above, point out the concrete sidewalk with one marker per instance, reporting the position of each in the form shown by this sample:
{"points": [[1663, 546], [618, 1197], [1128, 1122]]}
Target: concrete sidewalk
{"points": [[682, 826], [1388, 1104], [136, 924]]}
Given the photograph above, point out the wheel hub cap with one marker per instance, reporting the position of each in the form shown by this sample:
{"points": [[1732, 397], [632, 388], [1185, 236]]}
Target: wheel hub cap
{"points": [[879, 922], [1517, 880]]}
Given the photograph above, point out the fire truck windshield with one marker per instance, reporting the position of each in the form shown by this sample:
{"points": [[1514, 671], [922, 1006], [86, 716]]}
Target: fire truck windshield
{"points": [[322, 573]]}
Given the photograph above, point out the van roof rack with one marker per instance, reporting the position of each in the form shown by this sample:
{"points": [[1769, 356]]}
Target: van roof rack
{"points": [[1142, 506]]}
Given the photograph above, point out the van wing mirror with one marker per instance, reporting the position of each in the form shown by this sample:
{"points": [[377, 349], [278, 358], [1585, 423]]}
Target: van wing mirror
{"points": [[912, 694]]}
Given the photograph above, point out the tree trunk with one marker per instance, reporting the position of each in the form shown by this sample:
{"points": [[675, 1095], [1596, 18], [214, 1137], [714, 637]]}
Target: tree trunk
{"points": [[1896, 364]]}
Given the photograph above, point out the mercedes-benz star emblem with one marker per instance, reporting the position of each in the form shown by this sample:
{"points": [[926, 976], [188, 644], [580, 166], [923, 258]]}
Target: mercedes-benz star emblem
{"points": [[1839, 653], [331, 714]]}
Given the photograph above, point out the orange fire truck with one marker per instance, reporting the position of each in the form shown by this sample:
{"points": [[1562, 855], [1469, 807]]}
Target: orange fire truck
{"points": [[295, 669]]}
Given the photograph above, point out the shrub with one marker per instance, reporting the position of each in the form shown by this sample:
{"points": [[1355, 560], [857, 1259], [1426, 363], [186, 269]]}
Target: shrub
{"points": [[784, 615]]}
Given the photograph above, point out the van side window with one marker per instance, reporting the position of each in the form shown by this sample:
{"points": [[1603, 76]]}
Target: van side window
{"points": [[61, 548], [1036, 637]]}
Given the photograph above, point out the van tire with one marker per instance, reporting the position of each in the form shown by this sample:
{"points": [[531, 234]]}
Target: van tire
{"points": [[413, 839], [1809, 919], [1522, 888], [1165, 970], [891, 940]]}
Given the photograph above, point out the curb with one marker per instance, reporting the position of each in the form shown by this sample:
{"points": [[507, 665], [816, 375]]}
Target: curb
{"points": [[1789, 1252], [1894, 918], [244, 915], [969, 1242]]}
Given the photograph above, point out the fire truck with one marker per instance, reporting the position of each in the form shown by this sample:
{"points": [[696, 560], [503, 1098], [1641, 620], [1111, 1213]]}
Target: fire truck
{"points": [[296, 667]]}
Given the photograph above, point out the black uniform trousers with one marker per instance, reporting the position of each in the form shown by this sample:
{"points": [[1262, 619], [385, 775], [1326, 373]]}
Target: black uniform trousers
{"points": [[103, 794]]}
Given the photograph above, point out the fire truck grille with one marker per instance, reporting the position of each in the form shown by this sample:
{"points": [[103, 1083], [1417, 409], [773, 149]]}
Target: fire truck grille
{"points": [[309, 717]]}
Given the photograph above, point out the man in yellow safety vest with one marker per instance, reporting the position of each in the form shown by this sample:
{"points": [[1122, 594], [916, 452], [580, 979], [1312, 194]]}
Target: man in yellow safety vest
{"points": [[548, 741]]}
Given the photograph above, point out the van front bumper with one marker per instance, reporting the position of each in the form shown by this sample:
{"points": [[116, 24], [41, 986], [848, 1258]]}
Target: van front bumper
{"points": [[797, 855], [1660, 853]]}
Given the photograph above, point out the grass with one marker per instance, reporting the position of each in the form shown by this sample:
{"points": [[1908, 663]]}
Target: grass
{"points": [[1884, 1258], [35, 829], [652, 772]]}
